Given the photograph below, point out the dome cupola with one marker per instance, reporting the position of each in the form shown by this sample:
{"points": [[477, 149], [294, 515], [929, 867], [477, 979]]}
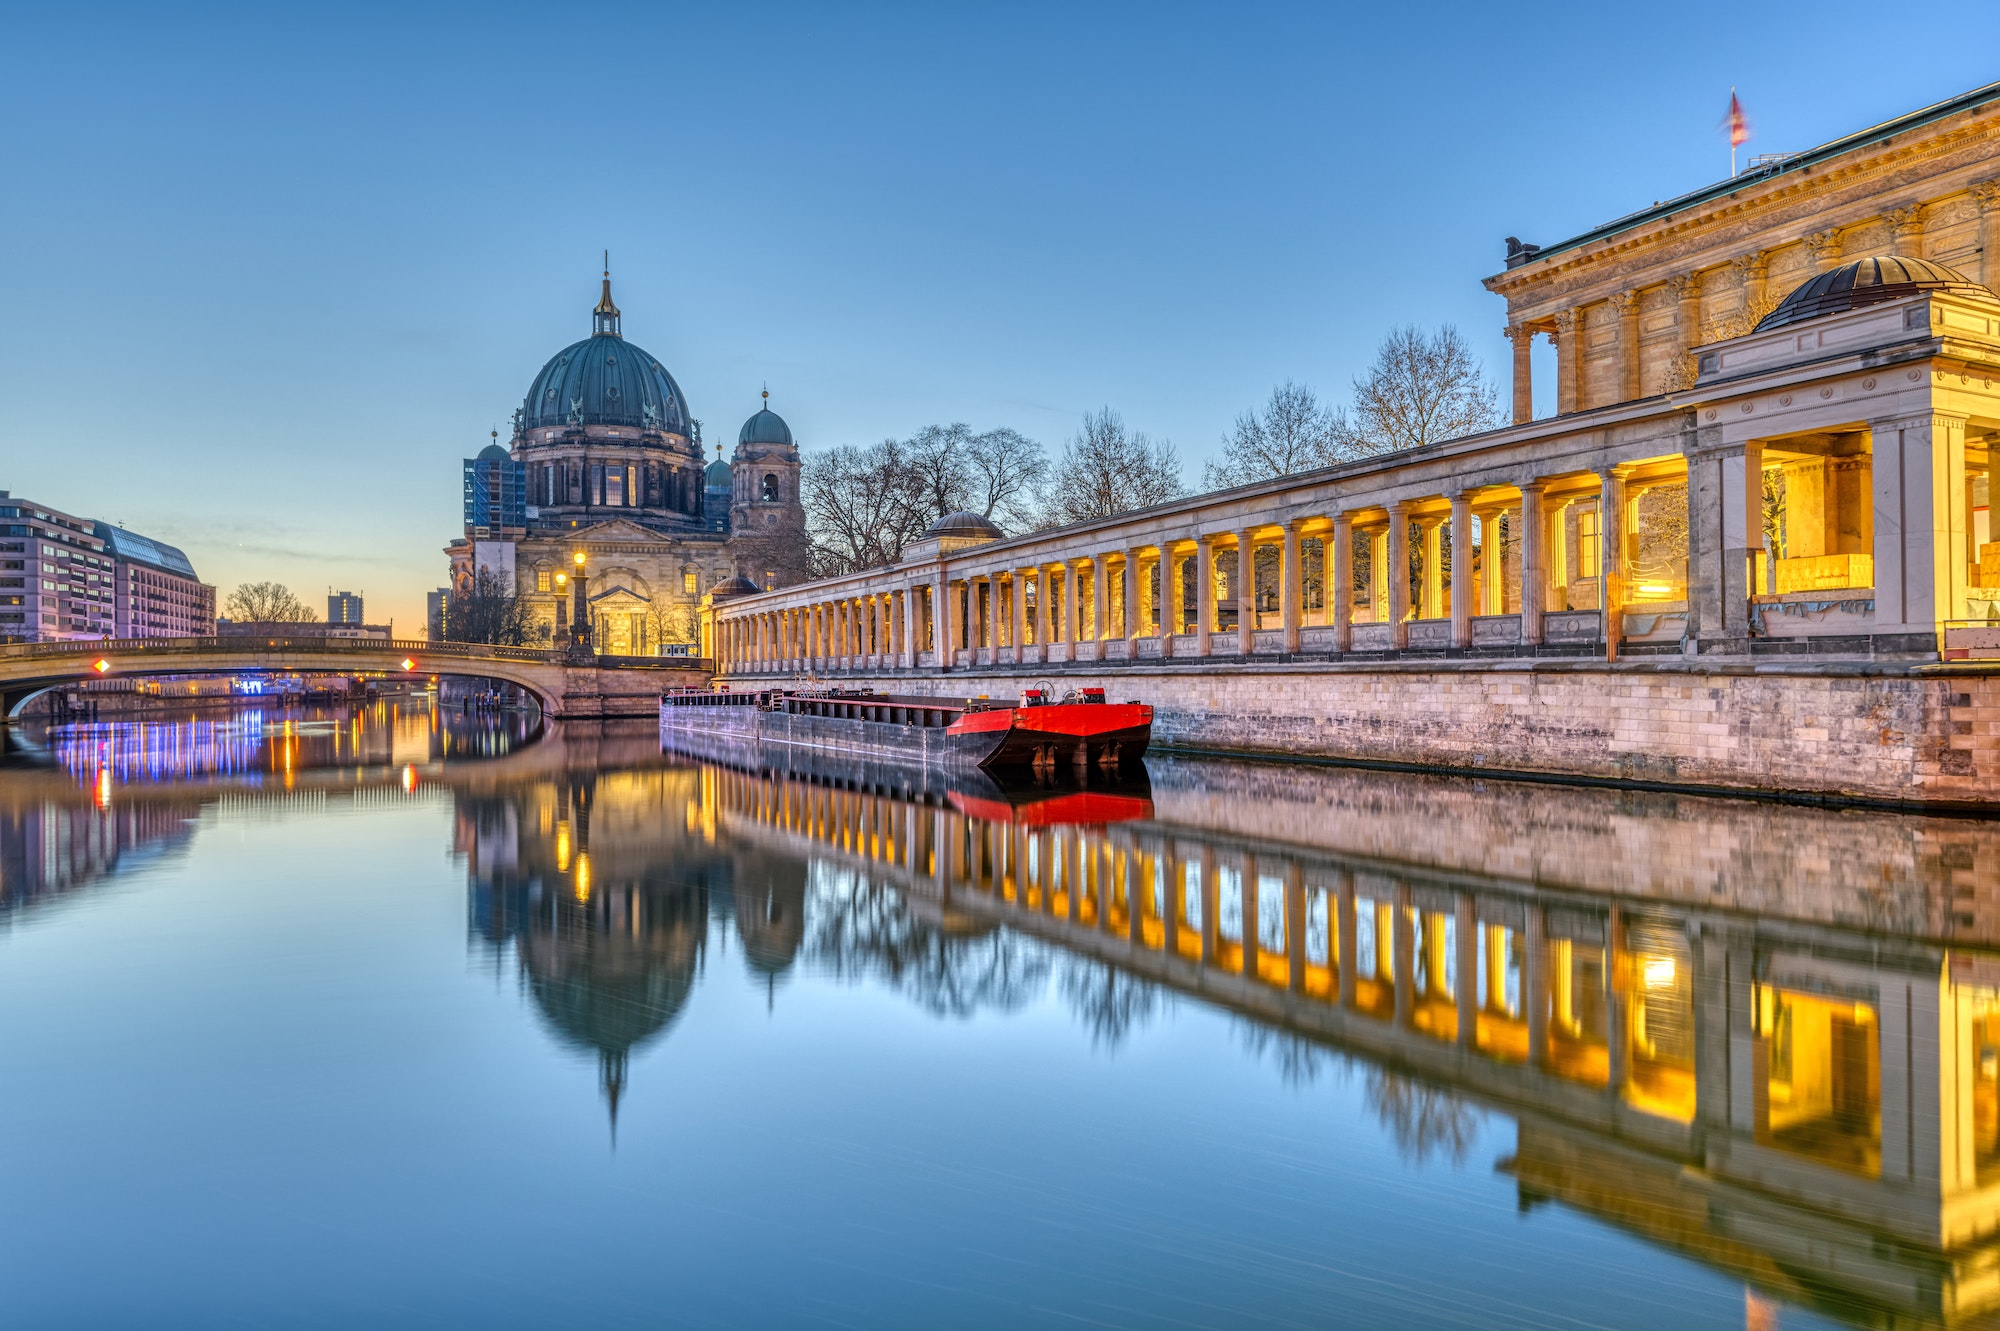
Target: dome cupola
{"points": [[605, 380], [1865, 282], [766, 427]]}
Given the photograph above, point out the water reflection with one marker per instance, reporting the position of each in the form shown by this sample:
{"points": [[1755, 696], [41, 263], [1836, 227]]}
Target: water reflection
{"points": [[1765, 1038]]}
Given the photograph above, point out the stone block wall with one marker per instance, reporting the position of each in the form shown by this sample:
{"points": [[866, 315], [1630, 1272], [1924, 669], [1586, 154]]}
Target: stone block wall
{"points": [[1917, 735]]}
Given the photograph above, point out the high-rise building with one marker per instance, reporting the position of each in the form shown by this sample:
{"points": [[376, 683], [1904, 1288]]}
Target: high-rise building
{"points": [[155, 591], [56, 578], [343, 608]]}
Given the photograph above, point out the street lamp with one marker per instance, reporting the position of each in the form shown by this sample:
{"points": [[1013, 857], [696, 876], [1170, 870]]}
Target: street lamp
{"points": [[579, 618]]}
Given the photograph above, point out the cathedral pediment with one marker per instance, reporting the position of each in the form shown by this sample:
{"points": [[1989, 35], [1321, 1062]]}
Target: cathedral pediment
{"points": [[618, 529]]}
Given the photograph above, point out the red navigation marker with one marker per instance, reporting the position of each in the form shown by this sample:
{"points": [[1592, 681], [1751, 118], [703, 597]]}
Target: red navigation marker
{"points": [[408, 664], [102, 665]]}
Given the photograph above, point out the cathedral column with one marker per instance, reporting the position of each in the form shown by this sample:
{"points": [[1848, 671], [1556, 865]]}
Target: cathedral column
{"points": [[1568, 337], [1626, 303]]}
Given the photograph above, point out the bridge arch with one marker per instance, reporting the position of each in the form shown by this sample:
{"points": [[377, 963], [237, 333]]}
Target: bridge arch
{"points": [[564, 687]]}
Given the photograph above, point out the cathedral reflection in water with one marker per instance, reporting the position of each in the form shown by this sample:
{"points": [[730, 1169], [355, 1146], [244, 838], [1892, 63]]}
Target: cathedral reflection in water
{"points": [[1785, 1064]]}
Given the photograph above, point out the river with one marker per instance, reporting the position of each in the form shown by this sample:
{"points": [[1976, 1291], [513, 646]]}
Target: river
{"points": [[387, 1016]]}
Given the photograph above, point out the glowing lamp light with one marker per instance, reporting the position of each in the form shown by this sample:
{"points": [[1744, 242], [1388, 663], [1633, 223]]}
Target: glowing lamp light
{"points": [[408, 664], [562, 579], [101, 665], [1658, 972], [409, 777], [579, 559], [1654, 588]]}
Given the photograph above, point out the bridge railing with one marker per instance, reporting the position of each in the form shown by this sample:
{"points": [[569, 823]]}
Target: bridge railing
{"points": [[417, 649]]}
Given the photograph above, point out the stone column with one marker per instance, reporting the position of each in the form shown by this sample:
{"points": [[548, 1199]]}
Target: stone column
{"points": [[1568, 337], [1173, 886], [1463, 579], [940, 620], [1045, 618], [1617, 1005], [1523, 338], [1342, 944], [955, 606], [1167, 607], [1211, 904], [1534, 563], [1020, 625], [1204, 596], [1906, 225], [1921, 545], [913, 626], [1100, 606], [1825, 247], [1687, 308], [1725, 529], [1751, 270], [1133, 628], [1987, 196], [1611, 521], [1432, 604], [1626, 303], [1398, 574], [1246, 593], [1291, 596], [1340, 582], [1069, 610]]}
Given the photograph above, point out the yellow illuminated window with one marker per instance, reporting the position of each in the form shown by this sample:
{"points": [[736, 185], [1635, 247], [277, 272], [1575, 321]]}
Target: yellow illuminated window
{"points": [[1586, 543], [688, 583], [541, 579]]}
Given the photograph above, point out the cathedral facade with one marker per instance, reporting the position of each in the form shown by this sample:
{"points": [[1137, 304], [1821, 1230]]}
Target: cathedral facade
{"points": [[605, 463]]}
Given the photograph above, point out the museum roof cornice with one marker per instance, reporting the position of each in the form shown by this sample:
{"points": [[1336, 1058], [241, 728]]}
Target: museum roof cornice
{"points": [[1758, 191]]}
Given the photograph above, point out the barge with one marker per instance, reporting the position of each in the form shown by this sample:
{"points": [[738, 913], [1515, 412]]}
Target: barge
{"points": [[1037, 732]]}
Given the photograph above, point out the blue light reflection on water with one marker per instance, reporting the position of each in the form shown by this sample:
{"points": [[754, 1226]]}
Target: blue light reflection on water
{"points": [[303, 1072]]}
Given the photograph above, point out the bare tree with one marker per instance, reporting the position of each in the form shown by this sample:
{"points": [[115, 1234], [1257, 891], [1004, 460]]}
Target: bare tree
{"points": [[936, 458], [1111, 1003], [486, 609], [1421, 389], [863, 505], [268, 603], [1006, 472], [1106, 470], [1427, 1122], [1294, 433]]}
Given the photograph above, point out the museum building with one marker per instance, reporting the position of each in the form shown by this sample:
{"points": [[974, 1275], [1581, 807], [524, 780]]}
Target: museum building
{"points": [[606, 462]]}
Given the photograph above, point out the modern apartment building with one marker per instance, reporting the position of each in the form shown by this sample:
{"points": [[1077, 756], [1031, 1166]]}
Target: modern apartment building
{"points": [[155, 590], [57, 580], [343, 608]]}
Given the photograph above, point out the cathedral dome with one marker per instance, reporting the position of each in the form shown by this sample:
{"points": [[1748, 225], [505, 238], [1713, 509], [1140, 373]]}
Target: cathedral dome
{"points": [[766, 427], [605, 380], [1866, 282]]}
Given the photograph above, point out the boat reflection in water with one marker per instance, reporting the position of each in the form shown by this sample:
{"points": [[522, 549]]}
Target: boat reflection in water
{"points": [[1767, 1038]]}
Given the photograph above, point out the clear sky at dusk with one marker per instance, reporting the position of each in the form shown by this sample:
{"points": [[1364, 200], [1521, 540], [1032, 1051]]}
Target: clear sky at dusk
{"points": [[266, 276]]}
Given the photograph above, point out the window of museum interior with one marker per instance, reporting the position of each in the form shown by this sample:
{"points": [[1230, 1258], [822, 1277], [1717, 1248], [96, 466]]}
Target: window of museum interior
{"points": [[1817, 1077], [1984, 1048], [1579, 1045], [1819, 507]]}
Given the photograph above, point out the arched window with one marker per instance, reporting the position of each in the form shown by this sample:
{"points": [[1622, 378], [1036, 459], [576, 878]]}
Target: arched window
{"points": [[770, 488]]}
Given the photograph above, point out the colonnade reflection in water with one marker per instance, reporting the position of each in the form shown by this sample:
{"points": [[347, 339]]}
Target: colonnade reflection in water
{"points": [[1765, 1037], [1762, 1036]]}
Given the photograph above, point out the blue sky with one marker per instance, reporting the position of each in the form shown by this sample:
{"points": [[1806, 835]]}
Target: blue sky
{"points": [[267, 275]]}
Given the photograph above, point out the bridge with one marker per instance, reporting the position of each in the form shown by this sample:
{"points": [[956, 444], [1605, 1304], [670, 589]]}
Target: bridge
{"points": [[566, 686]]}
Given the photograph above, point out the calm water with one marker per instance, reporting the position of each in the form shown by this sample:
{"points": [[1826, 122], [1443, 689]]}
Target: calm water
{"points": [[385, 1018]]}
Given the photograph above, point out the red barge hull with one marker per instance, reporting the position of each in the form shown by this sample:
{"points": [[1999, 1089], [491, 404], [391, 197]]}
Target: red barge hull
{"points": [[1081, 731]]}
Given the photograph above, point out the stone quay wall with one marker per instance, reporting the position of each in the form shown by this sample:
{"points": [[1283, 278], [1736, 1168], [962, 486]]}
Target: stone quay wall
{"points": [[1917, 734]]}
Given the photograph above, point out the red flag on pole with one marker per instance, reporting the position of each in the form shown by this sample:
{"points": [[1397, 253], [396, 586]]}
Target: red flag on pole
{"points": [[1739, 125]]}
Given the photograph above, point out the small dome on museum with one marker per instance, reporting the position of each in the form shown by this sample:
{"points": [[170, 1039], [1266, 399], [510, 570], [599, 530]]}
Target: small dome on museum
{"points": [[962, 525], [1865, 282], [766, 427], [495, 453], [736, 586]]}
